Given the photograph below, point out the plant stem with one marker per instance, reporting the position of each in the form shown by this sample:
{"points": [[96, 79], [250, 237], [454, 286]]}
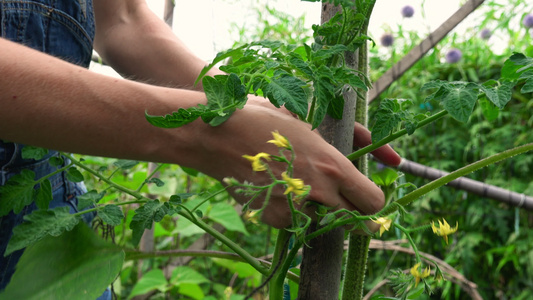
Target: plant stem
{"points": [[104, 179], [356, 258], [355, 155], [278, 277], [462, 172], [355, 267], [407, 199], [226, 241]]}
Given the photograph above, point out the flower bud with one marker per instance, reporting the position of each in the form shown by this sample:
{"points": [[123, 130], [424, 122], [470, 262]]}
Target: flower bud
{"points": [[387, 40], [408, 11], [453, 56]]}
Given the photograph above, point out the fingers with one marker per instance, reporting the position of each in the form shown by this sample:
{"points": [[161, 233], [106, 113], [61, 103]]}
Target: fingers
{"points": [[362, 138]]}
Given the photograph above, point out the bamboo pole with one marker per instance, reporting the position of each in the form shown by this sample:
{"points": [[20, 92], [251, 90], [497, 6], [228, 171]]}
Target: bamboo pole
{"points": [[321, 267], [469, 185]]}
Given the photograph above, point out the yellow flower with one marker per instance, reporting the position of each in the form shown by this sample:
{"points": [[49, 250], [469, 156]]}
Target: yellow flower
{"points": [[257, 164], [252, 216], [444, 229], [294, 185], [228, 292], [279, 140], [417, 275], [384, 223]]}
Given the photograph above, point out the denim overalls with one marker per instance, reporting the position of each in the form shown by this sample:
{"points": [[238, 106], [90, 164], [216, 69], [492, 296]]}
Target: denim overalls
{"points": [[64, 29]]}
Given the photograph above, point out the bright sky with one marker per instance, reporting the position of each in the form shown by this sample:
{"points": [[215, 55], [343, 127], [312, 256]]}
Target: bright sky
{"points": [[205, 25]]}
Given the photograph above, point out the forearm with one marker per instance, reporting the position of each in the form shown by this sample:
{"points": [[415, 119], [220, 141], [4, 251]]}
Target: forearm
{"points": [[50, 103], [139, 45]]}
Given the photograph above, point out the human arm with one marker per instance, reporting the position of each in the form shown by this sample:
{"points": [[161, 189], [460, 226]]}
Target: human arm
{"points": [[139, 45]]}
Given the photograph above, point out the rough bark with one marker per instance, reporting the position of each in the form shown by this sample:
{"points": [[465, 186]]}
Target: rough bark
{"points": [[321, 267]]}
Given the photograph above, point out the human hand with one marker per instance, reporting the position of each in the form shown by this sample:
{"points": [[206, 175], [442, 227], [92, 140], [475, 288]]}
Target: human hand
{"points": [[334, 180]]}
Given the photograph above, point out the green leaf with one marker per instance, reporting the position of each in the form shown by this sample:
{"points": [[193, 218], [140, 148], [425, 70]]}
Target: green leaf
{"points": [[177, 119], [179, 198], [186, 275], [158, 182], [74, 175], [459, 100], [55, 161], [186, 228], [89, 199], [528, 85], [44, 195], [225, 93], [288, 91], [385, 177], [189, 171], [324, 91], [220, 57], [226, 215], [514, 66], [17, 192], [125, 164], [152, 211], [76, 265], [152, 280], [243, 270], [347, 76], [193, 291], [39, 224], [499, 95], [31, 152], [386, 118], [489, 110], [111, 214]]}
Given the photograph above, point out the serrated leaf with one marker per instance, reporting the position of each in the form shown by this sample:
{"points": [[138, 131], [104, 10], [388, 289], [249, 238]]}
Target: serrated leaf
{"points": [[31, 152], [178, 118], [528, 85], [111, 214], [151, 280], [44, 195], [499, 95], [89, 199], [17, 192], [150, 212], [336, 107], [158, 182], [385, 177], [179, 198], [489, 110], [459, 101], [55, 161], [189, 171], [218, 58], [199, 213], [513, 66], [39, 224], [225, 93], [299, 64], [326, 53], [350, 78], [226, 215], [288, 91], [74, 175], [386, 118], [125, 164], [323, 93], [186, 275], [76, 265]]}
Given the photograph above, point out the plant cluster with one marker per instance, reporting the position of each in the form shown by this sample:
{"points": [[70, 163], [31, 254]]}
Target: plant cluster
{"points": [[308, 80]]}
